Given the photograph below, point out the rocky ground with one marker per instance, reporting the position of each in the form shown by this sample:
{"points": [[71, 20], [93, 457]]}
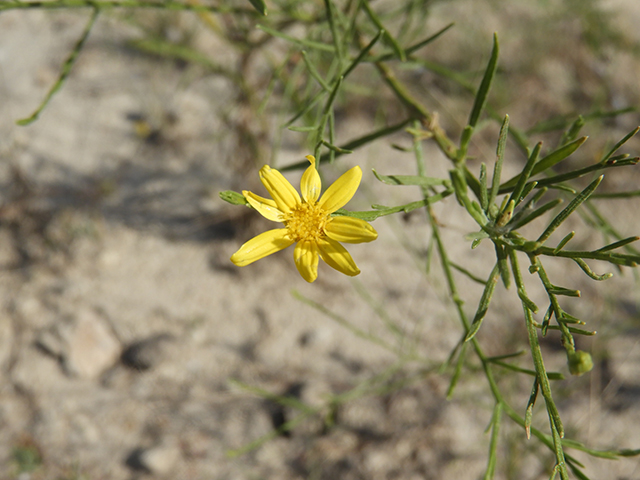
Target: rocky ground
{"points": [[130, 347]]}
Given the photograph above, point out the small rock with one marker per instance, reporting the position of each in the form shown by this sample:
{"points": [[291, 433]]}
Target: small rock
{"points": [[84, 344], [158, 460], [147, 353]]}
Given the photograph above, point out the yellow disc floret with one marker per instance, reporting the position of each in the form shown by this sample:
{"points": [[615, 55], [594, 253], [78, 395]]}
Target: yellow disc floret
{"points": [[306, 221]]}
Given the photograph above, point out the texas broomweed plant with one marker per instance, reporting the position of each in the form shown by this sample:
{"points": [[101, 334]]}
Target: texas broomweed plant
{"points": [[308, 221], [332, 39]]}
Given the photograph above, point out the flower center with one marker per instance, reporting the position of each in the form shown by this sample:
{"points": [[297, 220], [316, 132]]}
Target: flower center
{"points": [[306, 222]]}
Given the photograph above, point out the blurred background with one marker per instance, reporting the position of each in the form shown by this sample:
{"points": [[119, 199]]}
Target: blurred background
{"points": [[131, 347]]}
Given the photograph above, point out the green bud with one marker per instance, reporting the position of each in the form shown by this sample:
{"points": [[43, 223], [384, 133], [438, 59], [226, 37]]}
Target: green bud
{"points": [[579, 362], [234, 198]]}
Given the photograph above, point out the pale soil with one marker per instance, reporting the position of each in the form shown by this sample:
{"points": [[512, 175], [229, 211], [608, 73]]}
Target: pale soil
{"points": [[123, 323]]}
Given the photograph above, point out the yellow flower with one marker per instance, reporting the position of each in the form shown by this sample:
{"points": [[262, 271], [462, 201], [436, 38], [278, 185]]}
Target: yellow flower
{"points": [[307, 222]]}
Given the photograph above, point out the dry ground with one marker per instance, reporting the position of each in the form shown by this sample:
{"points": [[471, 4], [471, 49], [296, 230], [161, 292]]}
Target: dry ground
{"points": [[122, 322]]}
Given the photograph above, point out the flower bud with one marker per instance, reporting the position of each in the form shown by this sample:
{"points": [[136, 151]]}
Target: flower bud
{"points": [[579, 362]]}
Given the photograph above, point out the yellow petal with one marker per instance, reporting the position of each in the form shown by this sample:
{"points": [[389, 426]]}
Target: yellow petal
{"points": [[341, 191], [305, 255], [310, 184], [350, 230], [266, 207], [266, 243], [279, 188], [336, 256]]}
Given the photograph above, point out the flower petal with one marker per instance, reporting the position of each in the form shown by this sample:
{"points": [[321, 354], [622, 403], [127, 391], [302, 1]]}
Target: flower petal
{"points": [[265, 206], [310, 185], [266, 243], [336, 256], [341, 191], [350, 230], [305, 255], [279, 188]]}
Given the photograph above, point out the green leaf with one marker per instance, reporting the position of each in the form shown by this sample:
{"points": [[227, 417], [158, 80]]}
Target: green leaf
{"points": [[314, 72], [483, 306], [64, 71], [363, 53], [497, 169], [485, 85], [234, 198], [484, 192], [528, 416], [567, 292], [573, 130], [381, 211], [621, 243], [411, 180], [617, 146], [337, 42], [260, 6], [393, 43], [303, 42], [547, 162], [569, 209], [493, 444], [516, 195]]}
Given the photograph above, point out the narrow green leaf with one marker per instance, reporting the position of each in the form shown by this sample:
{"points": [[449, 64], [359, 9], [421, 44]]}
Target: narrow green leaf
{"points": [[64, 71], [472, 182], [526, 173], [483, 306], [303, 129], [528, 415], [530, 304], [493, 444], [546, 319], [411, 49], [260, 6], [353, 144], [621, 243], [484, 193], [503, 265], [527, 371], [314, 72], [393, 43], [558, 155], [505, 356], [325, 116], [467, 132], [569, 209], [458, 371], [567, 292], [411, 180], [614, 195], [536, 213], [363, 53], [303, 42], [381, 211], [485, 85], [573, 131], [459, 184], [466, 272], [577, 472], [617, 146], [337, 41], [335, 148], [547, 162], [528, 206], [564, 241], [528, 188], [305, 109]]}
